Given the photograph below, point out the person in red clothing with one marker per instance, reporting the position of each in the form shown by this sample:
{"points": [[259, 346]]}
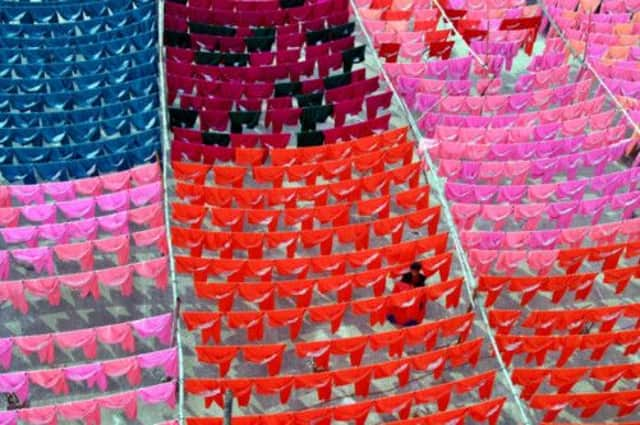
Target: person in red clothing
{"points": [[413, 314]]}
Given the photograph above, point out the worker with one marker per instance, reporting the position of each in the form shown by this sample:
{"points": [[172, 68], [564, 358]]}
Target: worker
{"points": [[413, 314]]}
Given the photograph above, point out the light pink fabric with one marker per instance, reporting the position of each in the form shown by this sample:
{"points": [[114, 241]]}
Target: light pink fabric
{"points": [[13, 292], [41, 344], [118, 245], [154, 269], [117, 334], [51, 379], [155, 236], [6, 352], [81, 253], [81, 338], [120, 277], [167, 359], [20, 235]]}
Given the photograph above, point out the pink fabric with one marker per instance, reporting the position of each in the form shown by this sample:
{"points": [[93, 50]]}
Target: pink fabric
{"points": [[27, 194], [6, 351], [122, 333], [119, 277], [41, 344], [154, 269], [81, 338], [78, 209], [117, 334], [51, 379], [167, 359], [59, 191], [14, 293], [45, 213], [113, 202], [93, 374], [88, 411], [160, 327], [81, 253], [86, 283], [9, 418], [41, 259], [20, 235], [16, 382]]}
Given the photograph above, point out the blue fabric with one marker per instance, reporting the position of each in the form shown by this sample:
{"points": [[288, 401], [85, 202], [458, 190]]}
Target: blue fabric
{"points": [[77, 69], [47, 15], [82, 98], [141, 26], [78, 88]]}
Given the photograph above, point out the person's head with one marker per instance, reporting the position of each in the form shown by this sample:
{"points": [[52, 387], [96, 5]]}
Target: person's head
{"points": [[415, 268]]}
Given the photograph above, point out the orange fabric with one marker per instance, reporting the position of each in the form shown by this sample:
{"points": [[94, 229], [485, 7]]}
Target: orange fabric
{"points": [[223, 293], [301, 290], [336, 214], [229, 175], [207, 322], [269, 217], [329, 313], [358, 234], [339, 284], [292, 318], [390, 226], [429, 217], [280, 385], [414, 198], [320, 351], [271, 355], [375, 307], [376, 206], [269, 174], [191, 215], [360, 377], [252, 321], [227, 217], [306, 172], [503, 320], [262, 293], [340, 168], [190, 171], [250, 157], [220, 355]]}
